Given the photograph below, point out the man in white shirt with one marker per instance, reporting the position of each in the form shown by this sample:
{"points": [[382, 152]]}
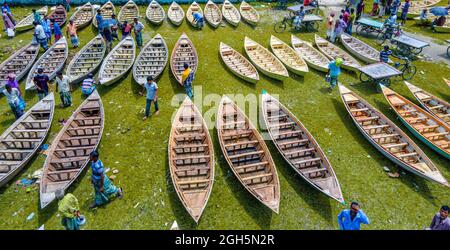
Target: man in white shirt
{"points": [[39, 35], [63, 83]]}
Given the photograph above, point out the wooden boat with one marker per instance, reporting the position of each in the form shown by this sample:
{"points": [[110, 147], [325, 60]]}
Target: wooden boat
{"points": [[360, 50], [417, 6], [212, 14], [389, 139], [87, 60], [69, 152], [238, 64], [230, 13], [27, 22], [434, 105], [444, 28], [183, 52], [18, 63], [248, 13], [152, 60], [155, 13], [430, 130], [299, 148], [314, 58], [83, 16], [191, 158], [194, 7], [59, 14], [24, 138], [247, 154], [107, 10], [265, 61], [128, 12], [118, 62], [51, 61], [175, 14], [287, 55], [333, 52]]}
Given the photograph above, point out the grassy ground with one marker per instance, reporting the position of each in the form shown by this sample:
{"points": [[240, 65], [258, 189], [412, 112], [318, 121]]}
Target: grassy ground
{"points": [[140, 154]]}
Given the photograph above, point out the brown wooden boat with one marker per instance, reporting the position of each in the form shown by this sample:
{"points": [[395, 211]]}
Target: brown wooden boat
{"points": [[69, 152], [299, 148], [183, 52], [247, 154], [59, 14], [191, 158]]}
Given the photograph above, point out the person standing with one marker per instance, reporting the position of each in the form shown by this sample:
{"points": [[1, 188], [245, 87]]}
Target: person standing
{"points": [[351, 219], [56, 30], [187, 77], [339, 28], [41, 82], [114, 26], [359, 9], [334, 70], [88, 85], [39, 35], [385, 53], [8, 24], [382, 8], [16, 103], [298, 19], [66, 4], [103, 187], [69, 209], [394, 7], [12, 81], [126, 29], [350, 22], [108, 38], [99, 19], [375, 7], [36, 16], [63, 83], [72, 33], [152, 96], [405, 10], [387, 9], [198, 19], [440, 220], [138, 27], [46, 24], [6, 8], [330, 25]]}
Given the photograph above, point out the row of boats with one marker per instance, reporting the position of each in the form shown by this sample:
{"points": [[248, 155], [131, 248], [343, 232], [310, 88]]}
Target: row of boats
{"points": [[191, 154], [296, 59]]}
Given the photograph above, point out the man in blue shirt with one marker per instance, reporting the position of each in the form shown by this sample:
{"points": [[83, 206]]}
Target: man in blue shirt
{"points": [[56, 30], [334, 70], [385, 53], [99, 19], [198, 18], [298, 19], [152, 96], [351, 219]]}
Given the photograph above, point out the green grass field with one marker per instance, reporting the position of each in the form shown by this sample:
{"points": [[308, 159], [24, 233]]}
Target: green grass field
{"points": [[139, 149]]}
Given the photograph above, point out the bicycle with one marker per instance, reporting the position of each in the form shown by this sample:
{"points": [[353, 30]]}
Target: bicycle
{"points": [[385, 35], [408, 70]]}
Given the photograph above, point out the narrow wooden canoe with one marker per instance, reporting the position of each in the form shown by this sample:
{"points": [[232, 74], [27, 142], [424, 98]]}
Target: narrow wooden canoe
{"points": [[361, 50], [87, 60], [191, 158], [175, 14], [118, 62], [265, 61], [155, 13], [333, 52], [69, 152], [389, 139], [59, 14], [247, 154], [417, 6], [24, 137], [248, 13], [128, 12], [238, 64], [288, 56], [107, 10], [299, 148], [51, 61], [230, 13], [212, 14], [83, 16], [433, 104], [430, 130], [18, 63], [314, 58], [183, 52], [27, 22], [194, 7], [152, 60]]}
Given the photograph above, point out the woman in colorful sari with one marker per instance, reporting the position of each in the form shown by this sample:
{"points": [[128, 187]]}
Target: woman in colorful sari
{"points": [[16, 103], [69, 209], [9, 24], [103, 187]]}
